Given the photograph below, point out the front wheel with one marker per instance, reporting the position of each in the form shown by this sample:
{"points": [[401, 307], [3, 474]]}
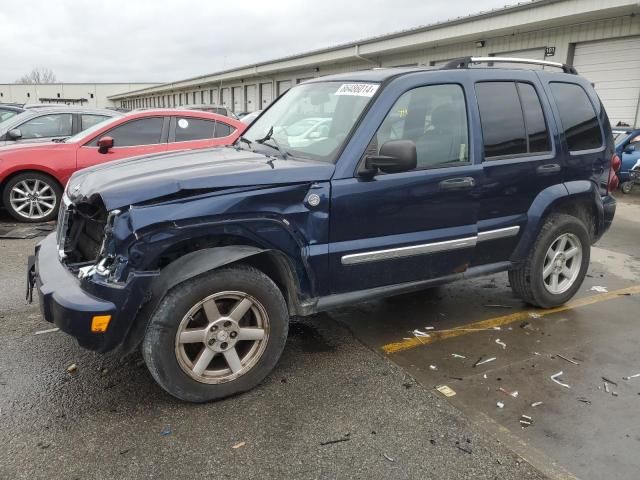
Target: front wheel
{"points": [[32, 197], [626, 187], [557, 264], [217, 334]]}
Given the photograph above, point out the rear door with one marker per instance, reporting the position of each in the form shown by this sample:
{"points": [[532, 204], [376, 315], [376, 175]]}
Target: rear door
{"points": [[139, 136], [519, 159], [189, 132], [411, 226]]}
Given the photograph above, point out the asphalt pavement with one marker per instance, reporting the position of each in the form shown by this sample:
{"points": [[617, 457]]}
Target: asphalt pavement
{"points": [[332, 409]]}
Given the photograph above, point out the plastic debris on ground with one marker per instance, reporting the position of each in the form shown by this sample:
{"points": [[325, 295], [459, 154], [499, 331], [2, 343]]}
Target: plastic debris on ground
{"points": [[534, 315], [554, 378], [636, 375], [166, 431], [499, 404], [388, 457], [73, 368], [525, 421], [239, 445], [513, 394], [501, 343], [482, 362], [455, 355], [536, 404], [599, 288], [418, 333], [567, 359], [50, 330], [433, 367], [446, 390]]}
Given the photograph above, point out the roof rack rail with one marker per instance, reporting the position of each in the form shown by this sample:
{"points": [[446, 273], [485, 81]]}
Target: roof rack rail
{"points": [[465, 62]]}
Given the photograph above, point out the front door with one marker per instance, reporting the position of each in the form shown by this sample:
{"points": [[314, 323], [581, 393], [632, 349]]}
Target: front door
{"points": [[141, 136], [411, 226]]}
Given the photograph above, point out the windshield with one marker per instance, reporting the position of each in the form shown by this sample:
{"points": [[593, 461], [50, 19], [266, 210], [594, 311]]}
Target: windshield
{"points": [[80, 137], [313, 120]]}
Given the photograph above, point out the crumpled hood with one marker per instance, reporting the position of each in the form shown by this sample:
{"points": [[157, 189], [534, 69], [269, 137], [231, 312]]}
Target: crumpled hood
{"points": [[140, 179]]}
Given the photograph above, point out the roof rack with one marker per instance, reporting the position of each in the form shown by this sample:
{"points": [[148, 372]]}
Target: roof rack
{"points": [[465, 62]]}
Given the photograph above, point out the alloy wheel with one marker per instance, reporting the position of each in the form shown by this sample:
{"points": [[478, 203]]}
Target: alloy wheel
{"points": [[32, 198], [222, 337], [562, 263]]}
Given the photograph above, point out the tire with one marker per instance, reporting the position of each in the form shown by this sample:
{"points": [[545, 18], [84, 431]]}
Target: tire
{"points": [[626, 187], [184, 330], [39, 193], [527, 281]]}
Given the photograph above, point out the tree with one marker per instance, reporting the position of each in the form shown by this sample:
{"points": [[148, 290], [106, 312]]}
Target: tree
{"points": [[38, 75]]}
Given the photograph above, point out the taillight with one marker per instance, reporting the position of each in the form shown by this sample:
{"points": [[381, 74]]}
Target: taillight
{"points": [[616, 163], [614, 181]]}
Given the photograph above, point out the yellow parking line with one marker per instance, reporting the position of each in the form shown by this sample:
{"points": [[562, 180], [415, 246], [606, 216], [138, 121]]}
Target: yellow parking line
{"points": [[503, 320]]}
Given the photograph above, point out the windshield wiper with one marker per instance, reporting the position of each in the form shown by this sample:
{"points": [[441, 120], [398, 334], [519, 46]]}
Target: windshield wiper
{"points": [[276, 145], [247, 141]]}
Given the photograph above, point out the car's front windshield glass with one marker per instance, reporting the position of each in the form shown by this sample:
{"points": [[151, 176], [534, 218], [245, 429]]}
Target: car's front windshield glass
{"points": [[313, 120], [86, 134]]}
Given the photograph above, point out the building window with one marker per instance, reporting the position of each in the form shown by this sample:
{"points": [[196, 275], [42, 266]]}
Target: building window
{"points": [[58, 95], [91, 95], [28, 95]]}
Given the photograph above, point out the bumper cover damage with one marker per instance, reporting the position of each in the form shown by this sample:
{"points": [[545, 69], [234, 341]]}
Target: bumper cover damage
{"points": [[71, 303]]}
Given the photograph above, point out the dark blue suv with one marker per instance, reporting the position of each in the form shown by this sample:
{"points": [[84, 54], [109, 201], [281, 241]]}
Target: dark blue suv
{"points": [[347, 188]]}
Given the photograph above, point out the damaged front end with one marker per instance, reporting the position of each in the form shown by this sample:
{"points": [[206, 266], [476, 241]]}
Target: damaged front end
{"points": [[85, 239], [80, 277]]}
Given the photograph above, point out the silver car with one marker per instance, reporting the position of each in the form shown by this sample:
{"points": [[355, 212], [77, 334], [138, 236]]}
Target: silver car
{"points": [[50, 123]]}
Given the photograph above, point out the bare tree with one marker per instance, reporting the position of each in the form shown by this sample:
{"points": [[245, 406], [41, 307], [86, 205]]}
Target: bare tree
{"points": [[38, 75]]}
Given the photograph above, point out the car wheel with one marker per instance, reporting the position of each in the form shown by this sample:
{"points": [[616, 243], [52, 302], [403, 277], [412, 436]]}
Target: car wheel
{"points": [[216, 335], [557, 264], [626, 187], [32, 197]]}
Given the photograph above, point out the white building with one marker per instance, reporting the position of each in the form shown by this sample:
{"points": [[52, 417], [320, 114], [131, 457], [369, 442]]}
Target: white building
{"points": [[601, 38], [80, 94]]}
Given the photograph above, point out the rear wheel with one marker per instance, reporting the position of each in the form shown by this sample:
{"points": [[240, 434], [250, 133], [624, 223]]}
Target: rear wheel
{"points": [[216, 335], [557, 264], [32, 197]]}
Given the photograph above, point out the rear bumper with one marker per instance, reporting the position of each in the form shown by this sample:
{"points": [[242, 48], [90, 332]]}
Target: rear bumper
{"points": [[70, 303], [609, 210]]}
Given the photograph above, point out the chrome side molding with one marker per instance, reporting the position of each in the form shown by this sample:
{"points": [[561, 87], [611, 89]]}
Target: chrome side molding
{"points": [[427, 248]]}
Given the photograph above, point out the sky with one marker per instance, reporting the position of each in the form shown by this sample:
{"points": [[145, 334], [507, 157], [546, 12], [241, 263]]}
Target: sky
{"points": [[163, 41]]}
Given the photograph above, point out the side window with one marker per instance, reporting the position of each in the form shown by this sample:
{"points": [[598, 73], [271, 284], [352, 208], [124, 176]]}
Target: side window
{"points": [[578, 116], [56, 125], [146, 131], [512, 119], [223, 130], [537, 132], [501, 119], [194, 129], [91, 120], [435, 118]]}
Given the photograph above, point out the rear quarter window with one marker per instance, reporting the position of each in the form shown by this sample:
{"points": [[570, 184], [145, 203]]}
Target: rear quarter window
{"points": [[578, 117]]}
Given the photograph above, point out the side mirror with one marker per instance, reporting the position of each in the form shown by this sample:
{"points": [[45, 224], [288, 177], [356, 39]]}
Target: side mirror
{"points": [[630, 148], [15, 134], [395, 156], [105, 144]]}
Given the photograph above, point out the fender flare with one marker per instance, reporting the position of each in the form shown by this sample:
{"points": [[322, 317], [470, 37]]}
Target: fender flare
{"points": [[182, 269], [548, 199]]}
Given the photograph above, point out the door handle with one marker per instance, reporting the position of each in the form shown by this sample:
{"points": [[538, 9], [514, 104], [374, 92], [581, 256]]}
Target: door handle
{"points": [[548, 168], [461, 183]]}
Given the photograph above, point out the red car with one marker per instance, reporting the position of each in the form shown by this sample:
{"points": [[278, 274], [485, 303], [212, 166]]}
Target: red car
{"points": [[33, 176]]}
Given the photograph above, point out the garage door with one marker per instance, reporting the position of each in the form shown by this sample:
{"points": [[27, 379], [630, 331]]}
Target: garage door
{"points": [[213, 96], [266, 95], [250, 100], [226, 97], [613, 66], [237, 99], [283, 86]]}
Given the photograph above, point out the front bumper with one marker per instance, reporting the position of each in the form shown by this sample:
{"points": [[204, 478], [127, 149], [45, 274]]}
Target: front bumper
{"points": [[71, 303]]}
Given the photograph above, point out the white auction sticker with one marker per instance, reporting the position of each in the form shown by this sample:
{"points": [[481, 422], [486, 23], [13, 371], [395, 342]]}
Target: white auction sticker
{"points": [[358, 89], [182, 123]]}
